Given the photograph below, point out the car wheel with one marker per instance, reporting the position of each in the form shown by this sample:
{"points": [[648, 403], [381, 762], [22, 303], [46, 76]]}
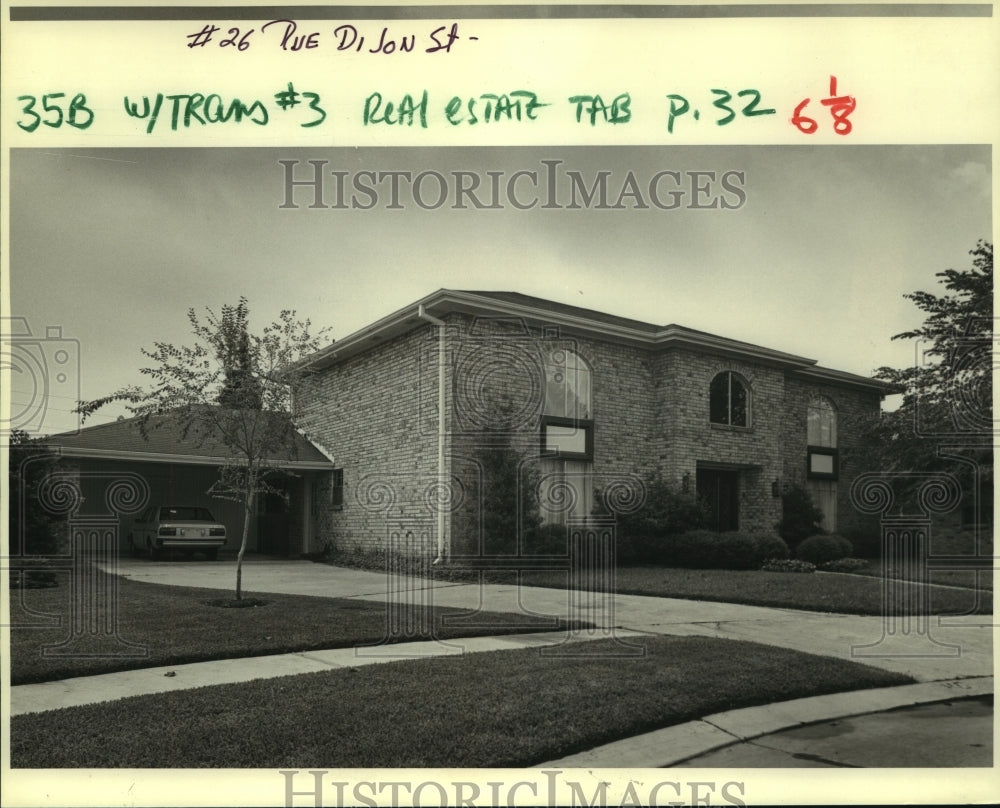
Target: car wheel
{"points": [[212, 554], [154, 553]]}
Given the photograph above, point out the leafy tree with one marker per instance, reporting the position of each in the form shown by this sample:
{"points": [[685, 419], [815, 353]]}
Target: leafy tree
{"points": [[947, 398], [231, 386], [31, 529]]}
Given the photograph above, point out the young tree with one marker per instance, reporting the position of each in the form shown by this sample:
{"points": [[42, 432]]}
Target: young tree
{"points": [[947, 397], [230, 386]]}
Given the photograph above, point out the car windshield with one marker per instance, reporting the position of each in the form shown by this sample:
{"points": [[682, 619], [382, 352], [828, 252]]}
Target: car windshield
{"points": [[186, 514]]}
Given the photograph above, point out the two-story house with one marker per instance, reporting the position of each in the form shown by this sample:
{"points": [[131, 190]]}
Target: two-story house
{"points": [[593, 402]]}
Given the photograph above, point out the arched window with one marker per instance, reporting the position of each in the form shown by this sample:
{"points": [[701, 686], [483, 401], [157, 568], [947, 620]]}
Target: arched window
{"points": [[567, 428], [729, 400], [567, 385], [822, 463], [567, 439], [821, 424]]}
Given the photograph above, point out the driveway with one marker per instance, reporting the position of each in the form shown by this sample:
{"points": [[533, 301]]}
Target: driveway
{"points": [[944, 651]]}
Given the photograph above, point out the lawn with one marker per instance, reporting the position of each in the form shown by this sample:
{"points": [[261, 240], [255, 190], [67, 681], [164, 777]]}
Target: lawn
{"points": [[495, 709], [821, 592], [177, 625]]}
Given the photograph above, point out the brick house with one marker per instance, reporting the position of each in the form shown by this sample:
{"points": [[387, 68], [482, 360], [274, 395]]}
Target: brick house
{"points": [[592, 402]]}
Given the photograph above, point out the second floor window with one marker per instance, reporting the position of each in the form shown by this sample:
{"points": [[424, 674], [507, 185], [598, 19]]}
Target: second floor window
{"points": [[821, 424], [567, 385], [729, 400], [567, 425]]}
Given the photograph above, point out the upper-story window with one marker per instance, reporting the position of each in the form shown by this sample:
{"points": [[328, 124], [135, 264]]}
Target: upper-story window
{"points": [[567, 428], [567, 385], [729, 400], [821, 424], [821, 437]]}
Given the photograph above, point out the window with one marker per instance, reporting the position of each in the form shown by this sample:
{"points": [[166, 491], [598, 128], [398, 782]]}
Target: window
{"points": [[824, 497], [337, 489], [567, 385], [567, 428], [822, 461], [821, 440], [729, 400], [567, 439], [821, 428]]}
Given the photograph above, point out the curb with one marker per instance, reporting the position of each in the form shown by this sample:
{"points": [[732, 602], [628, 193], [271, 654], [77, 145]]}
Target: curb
{"points": [[672, 745]]}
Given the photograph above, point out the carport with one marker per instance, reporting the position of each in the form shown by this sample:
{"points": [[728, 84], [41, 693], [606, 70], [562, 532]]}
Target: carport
{"points": [[110, 460]]}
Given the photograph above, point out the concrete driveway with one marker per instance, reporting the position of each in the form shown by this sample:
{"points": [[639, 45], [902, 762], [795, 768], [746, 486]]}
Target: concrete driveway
{"points": [[936, 651]]}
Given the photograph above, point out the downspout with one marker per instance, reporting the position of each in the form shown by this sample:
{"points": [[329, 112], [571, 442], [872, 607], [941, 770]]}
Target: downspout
{"points": [[423, 315]]}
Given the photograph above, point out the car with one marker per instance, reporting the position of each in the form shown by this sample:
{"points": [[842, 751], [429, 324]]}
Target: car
{"points": [[187, 528]]}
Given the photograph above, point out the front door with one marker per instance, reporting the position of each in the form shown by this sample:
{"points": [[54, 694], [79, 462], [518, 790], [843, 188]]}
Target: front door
{"points": [[719, 489]]}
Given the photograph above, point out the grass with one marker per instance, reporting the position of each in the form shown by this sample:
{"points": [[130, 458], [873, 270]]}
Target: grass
{"points": [[177, 625], [820, 592], [496, 709], [964, 579]]}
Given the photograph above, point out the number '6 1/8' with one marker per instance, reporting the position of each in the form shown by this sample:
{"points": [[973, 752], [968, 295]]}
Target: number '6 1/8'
{"points": [[77, 114]]}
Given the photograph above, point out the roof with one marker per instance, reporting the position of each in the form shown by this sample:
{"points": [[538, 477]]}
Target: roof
{"points": [[538, 311], [166, 443]]}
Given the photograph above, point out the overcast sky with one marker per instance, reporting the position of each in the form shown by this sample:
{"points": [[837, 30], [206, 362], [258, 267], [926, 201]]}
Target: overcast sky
{"points": [[114, 246]]}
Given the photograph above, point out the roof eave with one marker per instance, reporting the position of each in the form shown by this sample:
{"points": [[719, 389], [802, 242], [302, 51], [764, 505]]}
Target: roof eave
{"points": [[184, 459], [445, 301]]}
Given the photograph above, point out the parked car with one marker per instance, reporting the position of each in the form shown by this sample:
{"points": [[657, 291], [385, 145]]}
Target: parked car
{"points": [[187, 528]]}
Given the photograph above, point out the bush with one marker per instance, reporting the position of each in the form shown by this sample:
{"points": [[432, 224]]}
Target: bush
{"points": [[788, 565], [800, 518], [867, 542], [546, 539], [770, 546], [705, 549], [737, 551], [820, 549], [666, 512], [844, 565]]}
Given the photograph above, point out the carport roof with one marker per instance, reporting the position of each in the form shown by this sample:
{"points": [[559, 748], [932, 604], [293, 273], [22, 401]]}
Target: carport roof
{"points": [[165, 443]]}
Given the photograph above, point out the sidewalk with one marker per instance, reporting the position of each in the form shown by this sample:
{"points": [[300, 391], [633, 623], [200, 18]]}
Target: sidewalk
{"points": [[959, 647], [961, 666], [34, 698]]}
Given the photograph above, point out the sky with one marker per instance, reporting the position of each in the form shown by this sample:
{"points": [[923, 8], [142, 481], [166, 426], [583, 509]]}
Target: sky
{"points": [[114, 246]]}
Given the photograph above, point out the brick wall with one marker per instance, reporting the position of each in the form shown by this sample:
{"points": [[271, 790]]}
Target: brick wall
{"points": [[687, 438], [853, 408], [376, 414]]}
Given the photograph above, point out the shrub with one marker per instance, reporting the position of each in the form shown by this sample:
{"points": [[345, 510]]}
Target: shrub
{"points": [[800, 518], [770, 546], [867, 542], [737, 551], [666, 512], [788, 565], [846, 546], [546, 539], [705, 549], [820, 549], [844, 565]]}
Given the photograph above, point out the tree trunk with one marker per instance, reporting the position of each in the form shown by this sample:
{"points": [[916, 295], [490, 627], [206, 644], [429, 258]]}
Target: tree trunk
{"points": [[247, 512]]}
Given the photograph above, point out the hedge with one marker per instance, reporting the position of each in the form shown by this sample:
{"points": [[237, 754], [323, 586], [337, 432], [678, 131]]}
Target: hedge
{"points": [[820, 549]]}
